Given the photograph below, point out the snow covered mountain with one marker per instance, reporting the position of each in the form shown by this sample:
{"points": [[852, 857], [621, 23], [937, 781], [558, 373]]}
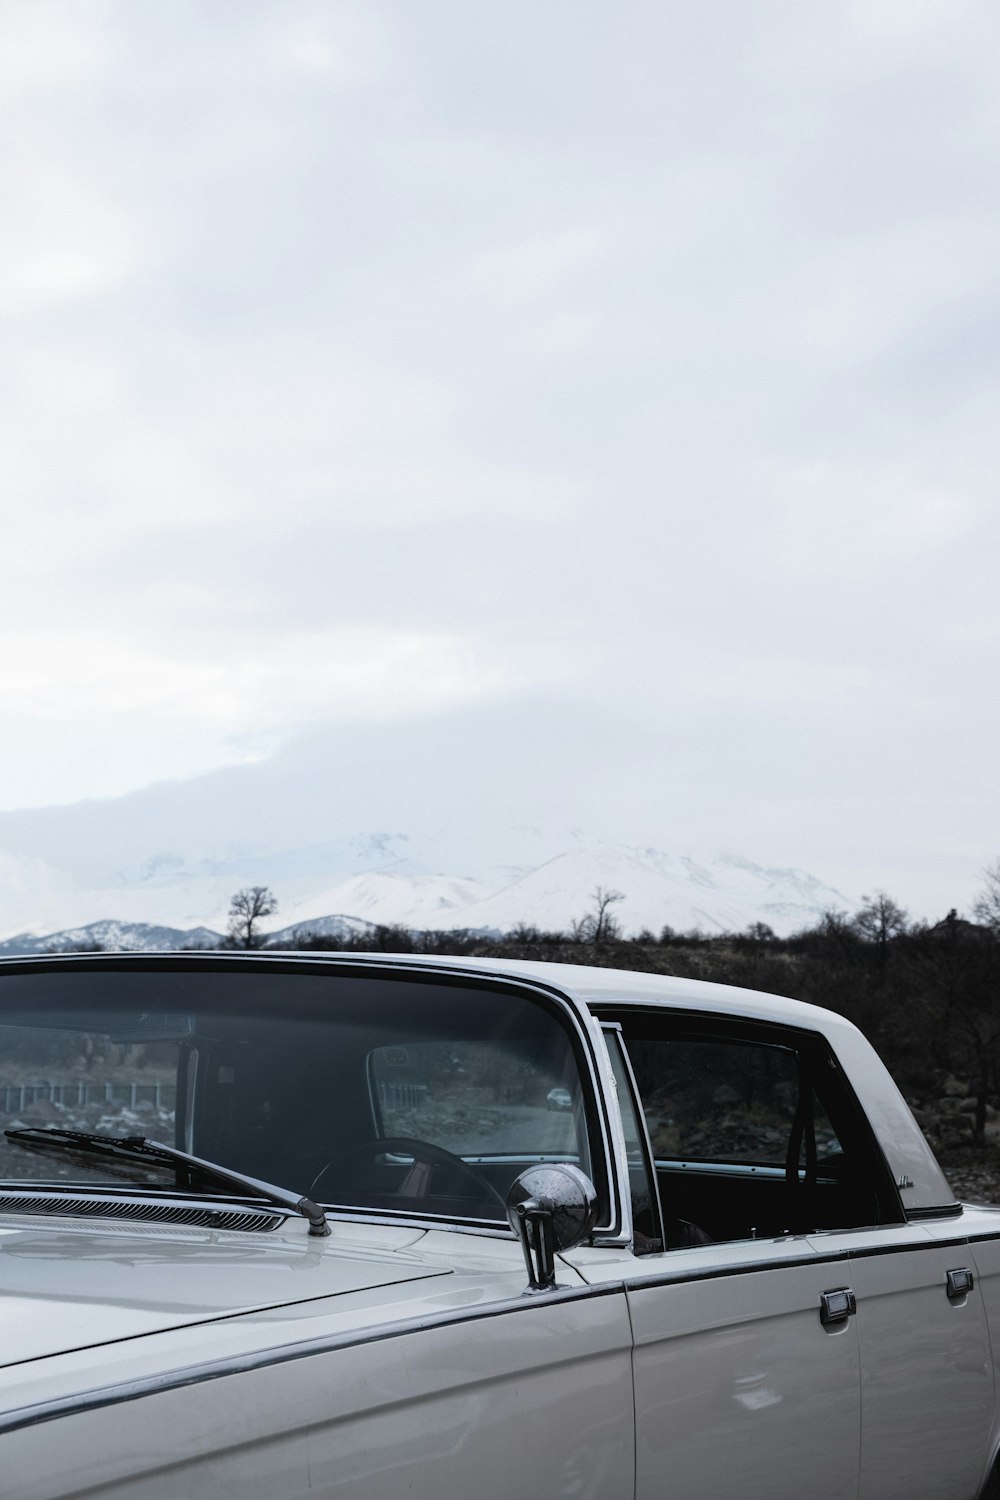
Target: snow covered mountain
{"points": [[148, 937], [144, 937], [384, 898], [657, 890], [334, 929], [725, 894]]}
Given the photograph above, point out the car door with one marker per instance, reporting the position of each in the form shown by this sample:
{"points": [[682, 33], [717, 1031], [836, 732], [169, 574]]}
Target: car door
{"points": [[746, 1366], [927, 1394], [739, 1386]]}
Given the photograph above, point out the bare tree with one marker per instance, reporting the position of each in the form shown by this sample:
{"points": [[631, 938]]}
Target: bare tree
{"points": [[599, 926], [986, 908], [246, 910], [879, 919], [878, 922]]}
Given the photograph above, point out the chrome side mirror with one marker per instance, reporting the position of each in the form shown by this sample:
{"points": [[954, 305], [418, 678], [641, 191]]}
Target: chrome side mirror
{"points": [[550, 1207]]}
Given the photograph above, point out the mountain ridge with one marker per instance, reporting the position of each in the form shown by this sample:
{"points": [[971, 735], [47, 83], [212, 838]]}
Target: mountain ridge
{"points": [[653, 889]]}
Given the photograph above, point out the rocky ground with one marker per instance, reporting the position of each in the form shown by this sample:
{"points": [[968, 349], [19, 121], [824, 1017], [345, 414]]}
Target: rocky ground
{"points": [[973, 1171]]}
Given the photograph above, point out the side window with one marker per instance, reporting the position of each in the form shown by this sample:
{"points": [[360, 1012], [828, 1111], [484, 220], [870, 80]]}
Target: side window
{"points": [[752, 1135]]}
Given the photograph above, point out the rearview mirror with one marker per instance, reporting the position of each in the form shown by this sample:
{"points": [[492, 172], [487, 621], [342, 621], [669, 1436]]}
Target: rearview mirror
{"points": [[550, 1207]]}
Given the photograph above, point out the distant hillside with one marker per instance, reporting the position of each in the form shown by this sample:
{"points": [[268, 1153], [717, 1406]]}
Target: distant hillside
{"points": [[143, 937], [336, 929]]}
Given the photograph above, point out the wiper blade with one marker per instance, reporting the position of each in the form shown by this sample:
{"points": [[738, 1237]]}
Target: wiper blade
{"points": [[138, 1148]]}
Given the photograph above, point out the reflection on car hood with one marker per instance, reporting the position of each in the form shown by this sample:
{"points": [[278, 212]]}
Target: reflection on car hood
{"points": [[68, 1288]]}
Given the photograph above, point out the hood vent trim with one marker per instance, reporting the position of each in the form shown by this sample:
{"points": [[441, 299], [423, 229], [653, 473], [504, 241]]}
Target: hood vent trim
{"points": [[246, 1219]]}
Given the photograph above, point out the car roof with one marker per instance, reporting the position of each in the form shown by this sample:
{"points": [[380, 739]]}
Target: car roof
{"points": [[601, 987], [590, 985]]}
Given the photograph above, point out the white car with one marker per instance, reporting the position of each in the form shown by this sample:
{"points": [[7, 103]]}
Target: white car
{"points": [[275, 1225]]}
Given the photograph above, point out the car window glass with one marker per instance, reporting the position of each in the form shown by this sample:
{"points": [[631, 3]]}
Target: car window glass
{"points": [[70, 1079], [477, 1098], [720, 1101], [293, 1078]]}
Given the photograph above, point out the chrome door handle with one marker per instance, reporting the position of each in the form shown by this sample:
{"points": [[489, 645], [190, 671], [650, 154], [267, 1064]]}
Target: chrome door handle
{"points": [[959, 1283], [837, 1306]]}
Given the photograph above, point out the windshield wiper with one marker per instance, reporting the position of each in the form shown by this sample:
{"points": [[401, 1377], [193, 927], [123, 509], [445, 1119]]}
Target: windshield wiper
{"points": [[138, 1148]]}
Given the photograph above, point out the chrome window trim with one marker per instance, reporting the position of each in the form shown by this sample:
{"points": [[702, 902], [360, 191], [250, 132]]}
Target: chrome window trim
{"points": [[671, 1273], [715, 1168], [676, 1275], [613, 1029]]}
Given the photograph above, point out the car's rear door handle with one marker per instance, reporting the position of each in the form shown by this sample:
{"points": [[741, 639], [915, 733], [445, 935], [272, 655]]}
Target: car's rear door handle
{"points": [[959, 1283], [837, 1306]]}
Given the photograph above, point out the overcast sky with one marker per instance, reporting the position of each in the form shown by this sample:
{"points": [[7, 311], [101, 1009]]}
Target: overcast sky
{"points": [[364, 362]]}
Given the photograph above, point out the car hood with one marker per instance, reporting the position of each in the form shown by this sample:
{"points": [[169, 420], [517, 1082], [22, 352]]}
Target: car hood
{"points": [[63, 1289]]}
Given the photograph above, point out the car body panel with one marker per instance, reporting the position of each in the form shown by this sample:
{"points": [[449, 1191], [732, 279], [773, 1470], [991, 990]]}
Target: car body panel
{"points": [[439, 1394], [97, 1285], [916, 1345], [731, 1357]]}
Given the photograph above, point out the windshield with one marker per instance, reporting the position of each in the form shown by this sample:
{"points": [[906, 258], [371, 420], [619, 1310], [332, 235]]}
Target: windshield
{"points": [[406, 1096]]}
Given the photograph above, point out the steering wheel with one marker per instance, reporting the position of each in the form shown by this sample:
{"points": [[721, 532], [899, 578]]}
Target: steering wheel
{"points": [[421, 1151]]}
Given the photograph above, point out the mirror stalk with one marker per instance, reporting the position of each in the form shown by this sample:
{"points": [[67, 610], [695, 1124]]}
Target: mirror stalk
{"points": [[538, 1244]]}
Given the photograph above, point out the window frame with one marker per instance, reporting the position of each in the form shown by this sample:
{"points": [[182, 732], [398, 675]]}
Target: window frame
{"points": [[815, 1056], [615, 1043]]}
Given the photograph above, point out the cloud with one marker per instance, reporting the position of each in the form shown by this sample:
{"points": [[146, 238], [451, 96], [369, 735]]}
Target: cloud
{"points": [[541, 265], [859, 293], [892, 22], [48, 45], [365, 362], [343, 45], [853, 521], [255, 686], [66, 240]]}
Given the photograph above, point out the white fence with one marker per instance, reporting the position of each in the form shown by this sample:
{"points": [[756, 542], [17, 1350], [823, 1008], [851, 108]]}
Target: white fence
{"points": [[15, 1097]]}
